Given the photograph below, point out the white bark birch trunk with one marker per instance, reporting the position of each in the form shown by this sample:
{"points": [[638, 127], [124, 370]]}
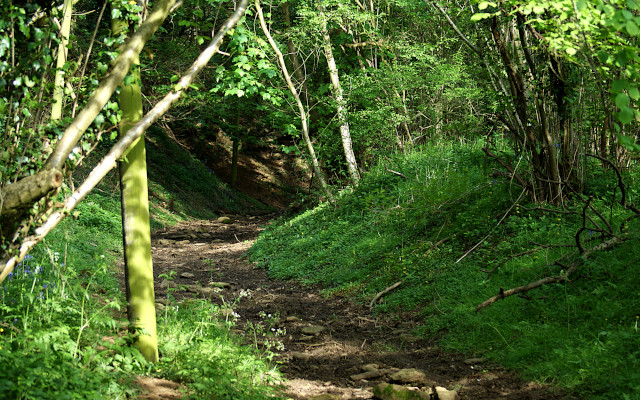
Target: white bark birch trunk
{"points": [[350, 157]]}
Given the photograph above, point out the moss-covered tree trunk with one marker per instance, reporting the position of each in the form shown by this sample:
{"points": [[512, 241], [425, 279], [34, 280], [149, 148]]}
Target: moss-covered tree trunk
{"points": [[136, 230], [58, 89]]}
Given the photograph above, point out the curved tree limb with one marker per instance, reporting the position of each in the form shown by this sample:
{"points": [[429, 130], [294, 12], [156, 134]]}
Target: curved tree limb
{"points": [[301, 110], [110, 160], [76, 129]]}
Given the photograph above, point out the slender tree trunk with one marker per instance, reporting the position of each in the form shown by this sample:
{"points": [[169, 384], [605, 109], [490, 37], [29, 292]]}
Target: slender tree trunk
{"points": [[303, 114], [58, 89], [235, 148], [293, 57], [136, 231], [340, 102]]}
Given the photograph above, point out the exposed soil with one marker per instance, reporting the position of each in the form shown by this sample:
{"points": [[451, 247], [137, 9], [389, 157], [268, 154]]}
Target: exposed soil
{"points": [[265, 172], [319, 365]]}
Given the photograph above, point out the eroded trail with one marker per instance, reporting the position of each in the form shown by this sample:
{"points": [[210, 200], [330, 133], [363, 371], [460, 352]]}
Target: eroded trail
{"points": [[327, 341]]}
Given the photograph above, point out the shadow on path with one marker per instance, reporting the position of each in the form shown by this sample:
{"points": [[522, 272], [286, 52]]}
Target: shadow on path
{"points": [[348, 337]]}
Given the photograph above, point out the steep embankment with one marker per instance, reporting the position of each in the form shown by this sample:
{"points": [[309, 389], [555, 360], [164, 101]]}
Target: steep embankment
{"points": [[436, 221]]}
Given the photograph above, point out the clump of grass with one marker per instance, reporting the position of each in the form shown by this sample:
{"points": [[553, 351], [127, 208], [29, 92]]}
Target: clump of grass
{"points": [[198, 349], [52, 322]]}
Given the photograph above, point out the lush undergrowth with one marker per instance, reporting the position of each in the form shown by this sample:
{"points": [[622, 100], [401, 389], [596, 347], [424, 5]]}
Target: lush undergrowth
{"points": [[416, 227], [63, 329]]}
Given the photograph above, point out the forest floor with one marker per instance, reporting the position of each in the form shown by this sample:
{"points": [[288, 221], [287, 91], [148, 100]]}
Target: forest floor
{"points": [[318, 362]]}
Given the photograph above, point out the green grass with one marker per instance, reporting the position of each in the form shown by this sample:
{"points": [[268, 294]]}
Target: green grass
{"points": [[582, 336], [63, 327]]}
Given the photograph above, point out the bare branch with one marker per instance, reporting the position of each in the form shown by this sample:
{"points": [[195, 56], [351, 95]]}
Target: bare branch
{"points": [[564, 276], [387, 290], [110, 160]]}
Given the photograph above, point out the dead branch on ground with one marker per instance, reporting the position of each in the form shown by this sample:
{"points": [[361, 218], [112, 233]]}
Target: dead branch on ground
{"points": [[387, 290]]}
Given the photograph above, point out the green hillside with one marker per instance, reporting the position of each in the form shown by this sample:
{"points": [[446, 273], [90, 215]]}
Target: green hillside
{"points": [[436, 221]]}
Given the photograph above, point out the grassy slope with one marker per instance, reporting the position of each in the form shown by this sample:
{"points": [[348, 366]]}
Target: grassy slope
{"points": [[62, 321], [582, 336]]}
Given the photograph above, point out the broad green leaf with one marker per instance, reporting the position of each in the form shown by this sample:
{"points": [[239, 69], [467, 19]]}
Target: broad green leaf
{"points": [[622, 100], [99, 120], [603, 56], [480, 16], [628, 142], [625, 115], [571, 51], [632, 28], [619, 85], [634, 93]]}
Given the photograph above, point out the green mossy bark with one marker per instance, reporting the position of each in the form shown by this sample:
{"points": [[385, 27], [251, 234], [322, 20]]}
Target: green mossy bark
{"points": [[135, 224], [58, 90]]}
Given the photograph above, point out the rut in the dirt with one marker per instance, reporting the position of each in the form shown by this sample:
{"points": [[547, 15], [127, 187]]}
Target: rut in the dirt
{"points": [[345, 339]]}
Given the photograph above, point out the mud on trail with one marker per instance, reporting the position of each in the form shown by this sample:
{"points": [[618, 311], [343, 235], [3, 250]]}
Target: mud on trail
{"points": [[328, 341]]}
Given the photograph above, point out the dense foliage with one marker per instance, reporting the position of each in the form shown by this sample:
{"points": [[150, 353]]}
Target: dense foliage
{"points": [[486, 128]]}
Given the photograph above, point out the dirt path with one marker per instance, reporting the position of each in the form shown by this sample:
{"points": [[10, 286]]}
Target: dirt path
{"points": [[319, 365]]}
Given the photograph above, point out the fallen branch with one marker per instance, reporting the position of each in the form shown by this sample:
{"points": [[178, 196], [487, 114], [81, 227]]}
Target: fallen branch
{"points": [[397, 173], [564, 276], [387, 290]]}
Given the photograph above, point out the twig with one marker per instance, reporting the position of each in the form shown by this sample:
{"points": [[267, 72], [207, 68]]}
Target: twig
{"points": [[397, 173], [492, 229], [387, 290], [508, 167]]}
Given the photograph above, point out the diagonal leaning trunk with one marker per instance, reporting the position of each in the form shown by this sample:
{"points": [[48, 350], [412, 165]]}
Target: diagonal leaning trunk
{"points": [[341, 105], [303, 114]]}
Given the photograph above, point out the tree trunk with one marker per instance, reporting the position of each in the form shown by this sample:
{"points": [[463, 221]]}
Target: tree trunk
{"points": [[58, 88], [235, 148], [303, 114], [293, 57], [136, 231], [340, 102]]}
